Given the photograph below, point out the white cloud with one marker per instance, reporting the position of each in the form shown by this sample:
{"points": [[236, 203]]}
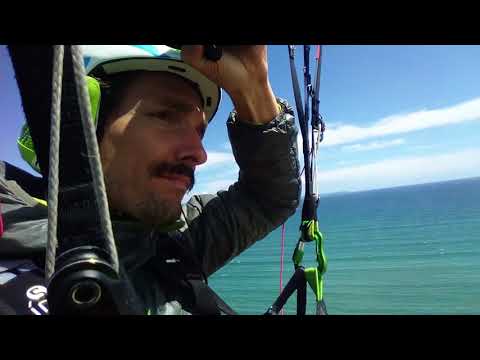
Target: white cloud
{"points": [[404, 123], [402, 171], [220, 171], [375, 145], [212, 187], [334, 124], [422, 147], [381, 174], [217, 158]]}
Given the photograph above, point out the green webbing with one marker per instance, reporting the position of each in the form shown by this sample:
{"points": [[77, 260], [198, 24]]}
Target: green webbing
{"points": [[310, 231]]}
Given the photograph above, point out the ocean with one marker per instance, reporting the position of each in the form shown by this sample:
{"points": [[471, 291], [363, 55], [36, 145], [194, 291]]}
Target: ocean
{"points": [[405, 250]]}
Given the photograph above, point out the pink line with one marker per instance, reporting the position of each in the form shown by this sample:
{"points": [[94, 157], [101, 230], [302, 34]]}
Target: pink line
{"points": [[281, 261], [319, 51], [1, 223]]}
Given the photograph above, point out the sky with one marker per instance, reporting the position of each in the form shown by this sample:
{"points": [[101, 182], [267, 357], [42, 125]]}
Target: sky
{"points": [[395, 115]]}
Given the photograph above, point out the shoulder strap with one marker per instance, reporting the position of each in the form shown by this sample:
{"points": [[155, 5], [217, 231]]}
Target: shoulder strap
{"points": [[178, 268], [207, 301]]}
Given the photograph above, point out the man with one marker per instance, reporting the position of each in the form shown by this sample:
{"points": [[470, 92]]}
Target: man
{"points": [[156, 104]]}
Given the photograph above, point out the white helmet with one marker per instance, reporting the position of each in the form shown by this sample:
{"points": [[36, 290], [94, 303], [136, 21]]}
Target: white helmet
{"points": [[112, 59]]}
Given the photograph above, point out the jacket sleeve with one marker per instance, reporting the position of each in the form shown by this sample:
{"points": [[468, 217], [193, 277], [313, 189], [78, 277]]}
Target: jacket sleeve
{"points": [[220, 227]]}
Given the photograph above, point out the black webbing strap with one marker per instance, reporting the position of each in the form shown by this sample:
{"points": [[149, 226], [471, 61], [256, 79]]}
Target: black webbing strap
{"points": [[78, 217], [78, 214], [298, 283]]}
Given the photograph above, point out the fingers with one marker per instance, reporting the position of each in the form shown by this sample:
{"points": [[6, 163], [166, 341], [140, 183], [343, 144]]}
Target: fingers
{"points": [[193, 55]]}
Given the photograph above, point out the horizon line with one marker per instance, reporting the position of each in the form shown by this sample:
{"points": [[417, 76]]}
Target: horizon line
{"points": [[345, 192]]}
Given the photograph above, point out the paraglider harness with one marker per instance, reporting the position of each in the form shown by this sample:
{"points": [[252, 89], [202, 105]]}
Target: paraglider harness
{"points": [[81, 265]]}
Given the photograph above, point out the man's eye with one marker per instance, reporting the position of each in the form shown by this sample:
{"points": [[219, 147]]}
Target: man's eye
{"points": [[163, 115]]}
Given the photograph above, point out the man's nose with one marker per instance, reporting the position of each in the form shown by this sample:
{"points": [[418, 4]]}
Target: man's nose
{"points": [[192, 150]]}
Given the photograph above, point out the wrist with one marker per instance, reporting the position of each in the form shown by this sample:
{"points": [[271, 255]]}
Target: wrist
{"points": [[258, 105]]}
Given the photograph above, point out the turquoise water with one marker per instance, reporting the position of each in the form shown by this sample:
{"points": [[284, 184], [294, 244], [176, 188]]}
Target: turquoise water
{"points": [[406, 250]]}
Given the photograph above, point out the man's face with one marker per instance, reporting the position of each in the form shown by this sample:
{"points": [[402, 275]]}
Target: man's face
{"points": [[151, 146]]}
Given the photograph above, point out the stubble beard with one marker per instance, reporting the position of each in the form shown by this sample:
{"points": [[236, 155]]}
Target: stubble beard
{"points": [[157, 211], [153, 210]]}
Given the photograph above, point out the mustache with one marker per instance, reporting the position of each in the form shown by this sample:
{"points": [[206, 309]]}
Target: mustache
{"points": [[165, 169]]}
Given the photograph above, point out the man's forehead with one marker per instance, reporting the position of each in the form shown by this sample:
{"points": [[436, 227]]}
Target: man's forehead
{"points": [[173, 100], [174, 103], [170, 88]]}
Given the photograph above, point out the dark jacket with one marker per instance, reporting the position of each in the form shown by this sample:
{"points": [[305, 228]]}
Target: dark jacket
{"points": [[217, 227]]}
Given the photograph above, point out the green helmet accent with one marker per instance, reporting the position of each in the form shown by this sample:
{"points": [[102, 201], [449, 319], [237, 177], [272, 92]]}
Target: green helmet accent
{"points": [[25, 142], [95, 95]]}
